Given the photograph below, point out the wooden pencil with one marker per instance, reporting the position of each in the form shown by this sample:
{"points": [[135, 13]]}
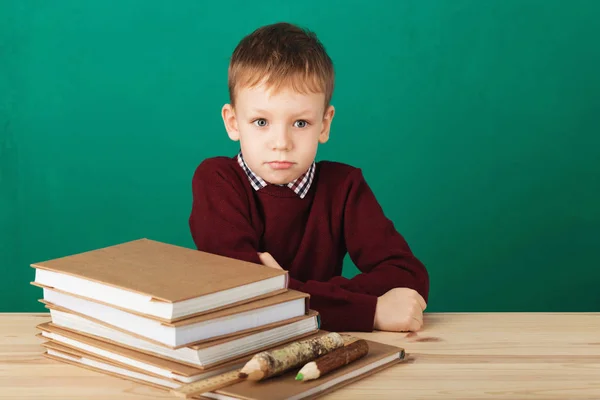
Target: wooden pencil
{"points": [[333, 360], [275, 362]]}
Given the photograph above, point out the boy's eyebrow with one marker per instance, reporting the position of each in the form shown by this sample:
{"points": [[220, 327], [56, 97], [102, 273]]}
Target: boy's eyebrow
{"points": [[259, 111], [301, 112], [307, 112]]}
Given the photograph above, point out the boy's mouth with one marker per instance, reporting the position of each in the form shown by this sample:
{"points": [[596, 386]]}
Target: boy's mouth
{"points": [[280, 164]]}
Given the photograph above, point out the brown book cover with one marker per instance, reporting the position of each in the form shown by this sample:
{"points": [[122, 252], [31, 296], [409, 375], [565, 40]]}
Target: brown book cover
{"points": [[286, 387], [165, 272]]}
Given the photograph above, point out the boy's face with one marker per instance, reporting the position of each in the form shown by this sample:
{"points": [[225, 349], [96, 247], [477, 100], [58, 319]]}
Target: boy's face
{"points": [[278, 132]]}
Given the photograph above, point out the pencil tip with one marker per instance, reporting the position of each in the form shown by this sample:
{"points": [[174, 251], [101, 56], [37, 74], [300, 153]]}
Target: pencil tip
{"points": [[299, 377]]}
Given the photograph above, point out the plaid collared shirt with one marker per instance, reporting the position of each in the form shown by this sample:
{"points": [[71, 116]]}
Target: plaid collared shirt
{"points": [[300, 186]]}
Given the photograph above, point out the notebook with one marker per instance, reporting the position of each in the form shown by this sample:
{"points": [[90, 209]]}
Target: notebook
{"points": [[233, 320], [205, 355], [380, 356], [160, 280]]}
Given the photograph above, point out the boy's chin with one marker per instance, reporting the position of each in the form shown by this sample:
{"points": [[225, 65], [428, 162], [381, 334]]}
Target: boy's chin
{"points": [[280, 182], [280, 178]]}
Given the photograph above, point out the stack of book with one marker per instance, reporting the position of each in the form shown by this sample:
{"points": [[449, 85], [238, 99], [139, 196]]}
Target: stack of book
{"points": [[165, 315]]}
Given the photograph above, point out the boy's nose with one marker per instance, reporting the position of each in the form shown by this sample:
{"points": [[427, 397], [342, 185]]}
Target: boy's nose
{"points": [[281, 140]]}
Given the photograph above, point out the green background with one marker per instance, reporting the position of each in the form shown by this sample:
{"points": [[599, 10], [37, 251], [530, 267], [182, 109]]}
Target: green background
{"points": [[477, 123]]}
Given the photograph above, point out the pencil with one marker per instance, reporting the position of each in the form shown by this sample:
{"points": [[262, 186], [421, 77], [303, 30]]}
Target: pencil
{"points": [[333, 360], [275, 362]]}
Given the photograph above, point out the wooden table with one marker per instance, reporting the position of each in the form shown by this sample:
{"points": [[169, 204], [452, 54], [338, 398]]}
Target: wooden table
{"points": [[455, 356]]}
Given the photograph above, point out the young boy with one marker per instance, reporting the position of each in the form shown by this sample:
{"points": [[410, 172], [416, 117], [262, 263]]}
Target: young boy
{"points": [[273, 204]]}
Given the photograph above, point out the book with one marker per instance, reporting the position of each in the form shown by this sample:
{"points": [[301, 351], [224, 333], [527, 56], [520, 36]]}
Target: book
{"points": [[160, 280], [69, 328], [77, 358], [380, 357], [246, 317], [157, 367]]}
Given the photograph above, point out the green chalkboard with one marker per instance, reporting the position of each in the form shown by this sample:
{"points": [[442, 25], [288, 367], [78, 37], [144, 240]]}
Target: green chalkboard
{"points": [[477, 124]]}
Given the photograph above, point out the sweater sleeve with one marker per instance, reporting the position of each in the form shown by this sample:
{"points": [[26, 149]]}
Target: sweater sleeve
{"points": [[378, 250], [380, 253], [340, 308], [219, 222]]}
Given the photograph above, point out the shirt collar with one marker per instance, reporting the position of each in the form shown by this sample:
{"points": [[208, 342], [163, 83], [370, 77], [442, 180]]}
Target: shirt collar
{"points": [[300, 186]]}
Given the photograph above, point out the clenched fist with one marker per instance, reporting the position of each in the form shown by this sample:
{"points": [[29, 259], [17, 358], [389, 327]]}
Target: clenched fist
{"points": [[399, 310]]}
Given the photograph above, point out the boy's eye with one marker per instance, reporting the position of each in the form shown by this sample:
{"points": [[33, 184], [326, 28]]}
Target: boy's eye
{"points": [[301, 124], [260, 122]]}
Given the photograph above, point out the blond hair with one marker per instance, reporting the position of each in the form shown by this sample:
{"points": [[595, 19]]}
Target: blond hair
{"points": [[281, 55]]}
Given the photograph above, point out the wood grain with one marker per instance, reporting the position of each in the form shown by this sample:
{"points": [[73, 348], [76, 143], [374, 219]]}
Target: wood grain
{"points": [[456, 356]]}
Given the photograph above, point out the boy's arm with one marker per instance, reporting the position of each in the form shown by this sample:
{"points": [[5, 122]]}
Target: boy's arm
{"points": [[378, 250], [219, 221], [389, 269], [219, 224], [382, 293]]}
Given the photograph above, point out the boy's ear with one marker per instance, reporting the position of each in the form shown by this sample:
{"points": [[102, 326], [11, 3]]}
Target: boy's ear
{"points": [[327, 118], [228, 114]]}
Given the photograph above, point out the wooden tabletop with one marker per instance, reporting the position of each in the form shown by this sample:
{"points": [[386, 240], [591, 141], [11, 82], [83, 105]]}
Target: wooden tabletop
{"points": [[456, 356]]}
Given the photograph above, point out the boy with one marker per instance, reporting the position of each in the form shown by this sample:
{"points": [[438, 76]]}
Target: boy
{"points": [[273, 204]]}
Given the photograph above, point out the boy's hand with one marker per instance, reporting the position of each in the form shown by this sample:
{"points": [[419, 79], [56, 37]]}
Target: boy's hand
{"points": [[268, 260], [399, 310]]}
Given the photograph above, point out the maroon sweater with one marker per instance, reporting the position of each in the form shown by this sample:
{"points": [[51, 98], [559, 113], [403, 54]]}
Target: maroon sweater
{"points": [[308, 237]]}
